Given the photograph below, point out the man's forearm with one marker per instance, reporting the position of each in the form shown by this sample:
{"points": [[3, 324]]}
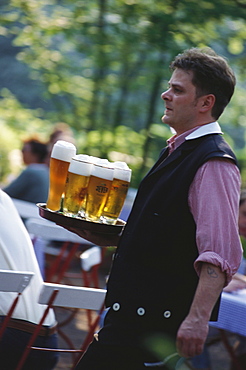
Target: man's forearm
{"points": [[211, 283], [193, 331]]}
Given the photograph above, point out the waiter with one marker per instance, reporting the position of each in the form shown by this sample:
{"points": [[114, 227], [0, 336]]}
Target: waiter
{"points": [[180, 246]]}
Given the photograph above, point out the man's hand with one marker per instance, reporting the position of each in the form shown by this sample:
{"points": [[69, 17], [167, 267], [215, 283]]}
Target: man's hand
{"points": [[193, 331], [191, 337]]}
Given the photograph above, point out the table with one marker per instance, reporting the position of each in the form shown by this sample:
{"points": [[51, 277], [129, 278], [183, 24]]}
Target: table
{"points": [[26, 209], [232, 318], [232, 313]]}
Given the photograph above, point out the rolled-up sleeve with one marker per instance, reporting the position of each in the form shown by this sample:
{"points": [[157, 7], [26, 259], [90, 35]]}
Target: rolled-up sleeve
{"points": [[214, 203]]}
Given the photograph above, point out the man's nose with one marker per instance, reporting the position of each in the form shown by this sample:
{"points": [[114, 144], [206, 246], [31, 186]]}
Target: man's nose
{"points": [[165, 95]]}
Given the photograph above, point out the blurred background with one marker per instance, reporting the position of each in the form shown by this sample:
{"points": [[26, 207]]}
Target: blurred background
{"points": [[100, 66]]}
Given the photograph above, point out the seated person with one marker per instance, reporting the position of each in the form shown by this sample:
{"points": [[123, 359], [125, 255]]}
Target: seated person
{"points": [[17, 254], [32, 184]]}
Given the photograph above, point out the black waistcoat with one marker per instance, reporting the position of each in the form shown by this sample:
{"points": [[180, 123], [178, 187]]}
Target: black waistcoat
{"points": [[152, 280]]}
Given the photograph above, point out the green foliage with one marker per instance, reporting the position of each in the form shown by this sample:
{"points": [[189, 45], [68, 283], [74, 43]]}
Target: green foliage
{"points": [[243, 241], [106, 143], [16, 124], [164, 349], [100, 66], [8, 140], [23, 121]]}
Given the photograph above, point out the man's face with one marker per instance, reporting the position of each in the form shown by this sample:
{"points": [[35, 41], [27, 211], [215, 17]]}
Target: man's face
{"points": [[181, 102]]}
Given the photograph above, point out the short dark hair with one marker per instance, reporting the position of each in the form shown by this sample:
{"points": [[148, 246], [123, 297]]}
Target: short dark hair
{"points": [[38, 148], [211, 75]]}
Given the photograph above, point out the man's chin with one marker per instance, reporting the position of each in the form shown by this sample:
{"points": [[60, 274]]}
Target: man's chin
{"points": [[163, 119]]}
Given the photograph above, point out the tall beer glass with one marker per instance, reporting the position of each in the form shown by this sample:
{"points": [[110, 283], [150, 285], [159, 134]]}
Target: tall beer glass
{"points": [[61, 156], [98, 189], [76, 186], [117, 194]]}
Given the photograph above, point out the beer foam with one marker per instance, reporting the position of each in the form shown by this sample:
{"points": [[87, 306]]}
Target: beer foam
{"points": [[102, 161], [63, 150], [80, 165], [82, 157], [93, 159], [122, 171], [103, 170], [122, 165]]}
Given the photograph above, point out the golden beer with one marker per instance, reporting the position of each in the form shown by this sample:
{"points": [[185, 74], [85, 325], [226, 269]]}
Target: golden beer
{"points": [[117, 195], [61, 156], [76, 185], [98, 189]]}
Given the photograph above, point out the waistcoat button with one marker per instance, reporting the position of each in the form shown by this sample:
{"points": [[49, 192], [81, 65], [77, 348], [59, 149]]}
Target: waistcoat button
{"points": [[167, 314], [116, 306], [140, 311]]}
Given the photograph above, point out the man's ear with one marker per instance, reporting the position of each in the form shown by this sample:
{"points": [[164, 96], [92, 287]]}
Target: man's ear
{"points": [[207, 102]]}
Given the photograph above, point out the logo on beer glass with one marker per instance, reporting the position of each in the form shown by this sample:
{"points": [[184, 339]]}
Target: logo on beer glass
{"points": [[76, 186], [98, 189], [61, 156], [118, 193]]}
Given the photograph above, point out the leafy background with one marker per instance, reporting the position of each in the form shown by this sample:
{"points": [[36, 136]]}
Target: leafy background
{"points": [[100, 66]]}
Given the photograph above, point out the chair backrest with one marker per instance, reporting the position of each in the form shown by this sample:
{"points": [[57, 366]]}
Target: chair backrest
{"points": [[73, 296], [63, 296], [90, 258], [14, 281]]}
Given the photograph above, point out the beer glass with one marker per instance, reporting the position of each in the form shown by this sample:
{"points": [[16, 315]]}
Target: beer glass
{"points": [[117, 194], [61, 156], [76, 185], [98, 189]]}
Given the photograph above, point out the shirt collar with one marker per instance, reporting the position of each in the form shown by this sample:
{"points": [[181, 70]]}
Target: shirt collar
{"points": [[210, 128], [194, 133]]}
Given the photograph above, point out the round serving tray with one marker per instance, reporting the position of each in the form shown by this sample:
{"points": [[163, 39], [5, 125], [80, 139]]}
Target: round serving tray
{"points": [[76, 222]]}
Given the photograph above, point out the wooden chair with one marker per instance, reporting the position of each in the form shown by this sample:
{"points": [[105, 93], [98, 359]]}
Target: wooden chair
{"points": [[13, 281], [64, 296]]}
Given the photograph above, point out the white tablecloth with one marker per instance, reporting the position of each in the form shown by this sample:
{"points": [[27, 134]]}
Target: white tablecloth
{"points": [[232, 313]]}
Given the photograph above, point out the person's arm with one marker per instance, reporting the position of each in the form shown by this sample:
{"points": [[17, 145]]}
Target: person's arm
{"points": [[238, 282], [214, 201], [193, 331]]}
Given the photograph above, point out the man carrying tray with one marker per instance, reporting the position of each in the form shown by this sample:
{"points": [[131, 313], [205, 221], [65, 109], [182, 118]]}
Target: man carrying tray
{"points": [[180, 245]]}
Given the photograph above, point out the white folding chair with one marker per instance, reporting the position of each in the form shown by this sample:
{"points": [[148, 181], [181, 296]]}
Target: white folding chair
{"points": [[64, 296], [90, 261], [13, 281], [61, 257]]}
